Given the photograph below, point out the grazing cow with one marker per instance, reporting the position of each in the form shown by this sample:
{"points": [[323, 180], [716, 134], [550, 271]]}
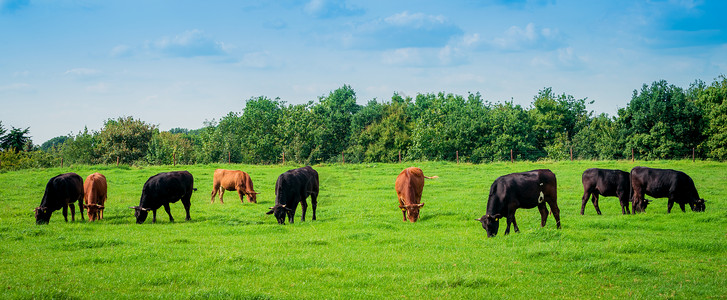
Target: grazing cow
{"points": [[162, 189], [233, 180], [409, 186], [660, 183], [606, 183], [292, 187], [60, 192], [94, 196], [520, 190]]}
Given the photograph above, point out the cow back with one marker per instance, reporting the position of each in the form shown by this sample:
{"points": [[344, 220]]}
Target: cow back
{"points": [[61, 190], [166, 188], [94, 189], [410, 185]]}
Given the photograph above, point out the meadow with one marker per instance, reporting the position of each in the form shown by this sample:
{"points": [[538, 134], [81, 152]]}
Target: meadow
{"points": [[359, 248]]}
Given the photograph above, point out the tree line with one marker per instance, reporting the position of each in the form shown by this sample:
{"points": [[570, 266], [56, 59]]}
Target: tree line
{"points": [[662, 121]]}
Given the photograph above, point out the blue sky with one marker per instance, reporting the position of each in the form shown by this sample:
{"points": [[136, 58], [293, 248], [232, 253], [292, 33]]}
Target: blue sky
{"points": [[71, 63]]}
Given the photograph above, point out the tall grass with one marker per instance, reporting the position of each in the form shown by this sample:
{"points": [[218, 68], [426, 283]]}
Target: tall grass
{"points": [[359, 247]]}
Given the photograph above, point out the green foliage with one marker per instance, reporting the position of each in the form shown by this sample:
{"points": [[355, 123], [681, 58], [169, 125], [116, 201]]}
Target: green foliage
{"points": [[259, 130], [166, 148], [125, 139], [713, 101], [81, 149], [55, 142], [297, 129], [16, 140], [334, 113], [598, 140], [660, 122], [509, 128]]}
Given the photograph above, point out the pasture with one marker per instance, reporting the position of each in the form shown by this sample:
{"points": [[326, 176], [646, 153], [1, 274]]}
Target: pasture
{"points": [[359, 247]]}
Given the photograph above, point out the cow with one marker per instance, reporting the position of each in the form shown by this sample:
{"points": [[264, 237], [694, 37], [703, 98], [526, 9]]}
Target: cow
{"points": [[606, 182], [94, 196], [660, 183], [520, 190], [60, 192], [292, 187], [409, 186], [233, 180], [162, 189]]}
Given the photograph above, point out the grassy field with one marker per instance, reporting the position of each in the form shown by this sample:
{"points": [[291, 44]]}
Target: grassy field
{"points": [[359, 247]]}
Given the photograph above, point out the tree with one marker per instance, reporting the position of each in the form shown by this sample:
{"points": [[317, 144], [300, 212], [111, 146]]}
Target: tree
{"points": [[126, 139], [81, 148], [55, 142], [165, 147], [713, 101], [297, 128], [509, 128], [556, 119], [335, 113], [17, 140], [660, 122], [598, 140], [259, 130]]}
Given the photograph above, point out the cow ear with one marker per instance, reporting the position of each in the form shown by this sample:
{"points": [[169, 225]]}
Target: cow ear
{"points": [[99, 206], [497, 217], [481, 218], [288, 209], [420, 204], [270, 212]]}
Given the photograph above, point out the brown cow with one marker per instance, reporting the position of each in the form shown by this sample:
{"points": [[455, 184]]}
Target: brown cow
{"points": [[409, 186], [233, 180], [94, 196]]}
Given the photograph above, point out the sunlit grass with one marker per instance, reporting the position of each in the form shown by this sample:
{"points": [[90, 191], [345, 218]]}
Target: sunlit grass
{"points": [[359, 247]]}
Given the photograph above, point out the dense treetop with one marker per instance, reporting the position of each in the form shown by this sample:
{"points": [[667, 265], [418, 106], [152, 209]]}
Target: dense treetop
{"points": [[661, 121]]}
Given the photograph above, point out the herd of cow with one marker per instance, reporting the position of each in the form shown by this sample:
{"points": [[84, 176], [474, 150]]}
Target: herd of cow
{"points": [[507, 193]]}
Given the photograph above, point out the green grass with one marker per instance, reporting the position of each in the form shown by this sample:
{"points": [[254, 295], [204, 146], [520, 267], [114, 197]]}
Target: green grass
{"points": [[359, 247]]}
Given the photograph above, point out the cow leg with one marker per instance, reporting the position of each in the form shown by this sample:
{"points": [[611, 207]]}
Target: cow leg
{"points": [[169, 212], [669, 205], [595, 203], [222, 195], [514, 223], [65, 213], [154, 216], [314, 203], [543, 213], [214, 193], [73, 211], [584, 199], [241, 193], [304, 208], [293, 208], [556, 212], [507, 230], [187, 204], [681, 205]]}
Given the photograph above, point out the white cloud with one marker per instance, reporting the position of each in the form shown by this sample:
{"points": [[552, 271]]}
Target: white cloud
{"points": [[121, 51], [259, 60], [403, 30], [530, 37], [191, 43], [82, 72], [100, 87], [15, 87]]}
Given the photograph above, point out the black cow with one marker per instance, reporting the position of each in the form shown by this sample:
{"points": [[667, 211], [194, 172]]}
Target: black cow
{"points": [[292, 187], [162, 189], [606, 183], [660, 183], [520, 190], [60, 192]]}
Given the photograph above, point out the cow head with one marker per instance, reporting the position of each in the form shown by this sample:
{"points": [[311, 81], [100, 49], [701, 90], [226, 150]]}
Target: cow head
{"points": [[140, 214], [42, 215], [699, 205], [490, 223], [279, 211], [252, 197], [94, 211], [412, 211], [640, 206]]}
